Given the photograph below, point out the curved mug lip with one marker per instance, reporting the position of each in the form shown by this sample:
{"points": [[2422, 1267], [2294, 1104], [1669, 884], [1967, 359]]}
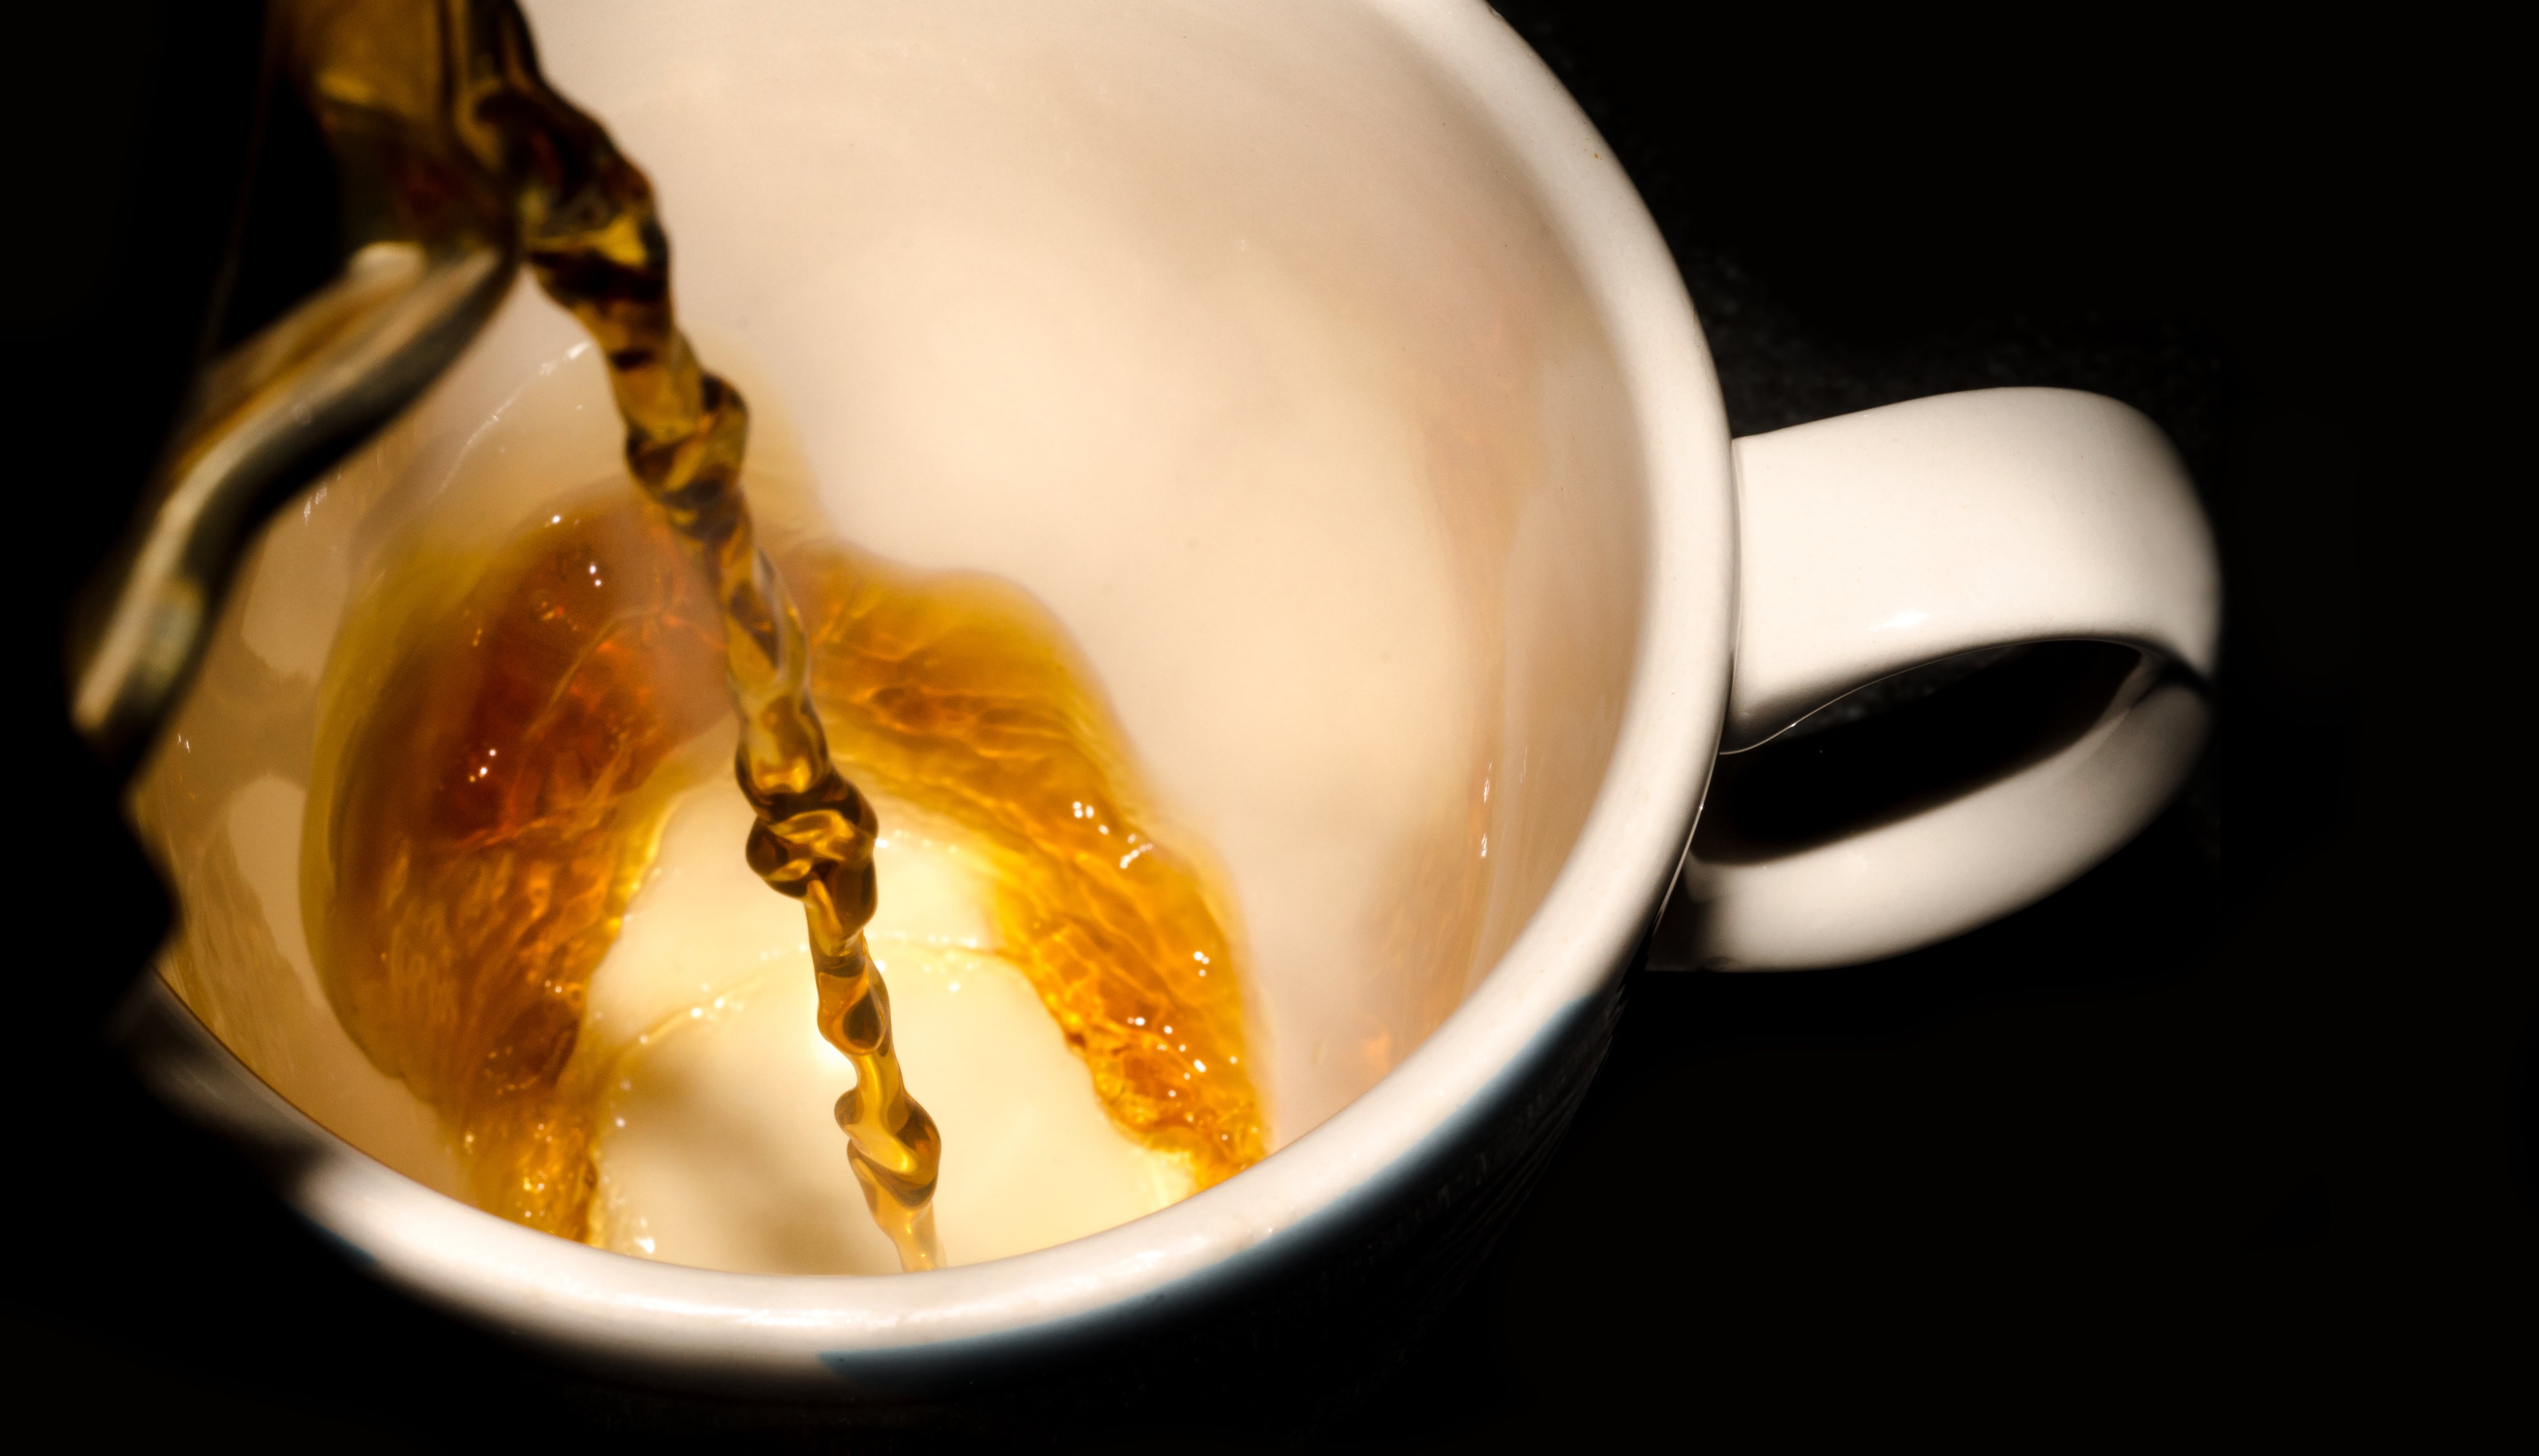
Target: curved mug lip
{"points": [[843, 1331]]}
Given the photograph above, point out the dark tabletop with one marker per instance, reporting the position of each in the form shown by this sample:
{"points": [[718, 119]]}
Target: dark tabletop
{"points": [[2243, 1111]]}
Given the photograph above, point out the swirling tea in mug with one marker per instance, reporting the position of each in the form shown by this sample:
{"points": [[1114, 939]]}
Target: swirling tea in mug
{"points": [[504, 799], [500, 804]]}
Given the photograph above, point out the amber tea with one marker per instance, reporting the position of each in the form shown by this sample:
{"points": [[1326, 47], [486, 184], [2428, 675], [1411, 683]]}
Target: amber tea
{"points": [[503, 797]]}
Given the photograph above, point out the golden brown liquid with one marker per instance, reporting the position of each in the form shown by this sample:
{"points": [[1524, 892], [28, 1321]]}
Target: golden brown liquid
{"points": [[499, 800], [958, 694], [490, 823], [595, 241]]}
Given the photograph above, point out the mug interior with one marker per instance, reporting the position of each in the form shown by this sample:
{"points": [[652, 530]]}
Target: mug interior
{"points": [[1237, 335]]}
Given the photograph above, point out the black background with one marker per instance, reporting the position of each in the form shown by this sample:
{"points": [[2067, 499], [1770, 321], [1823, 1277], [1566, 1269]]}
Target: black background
{"points": [[2241, 1122]]}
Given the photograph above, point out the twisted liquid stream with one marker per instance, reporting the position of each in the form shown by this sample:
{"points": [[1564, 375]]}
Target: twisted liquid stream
{"points": [[499, 790], [593, 239]]}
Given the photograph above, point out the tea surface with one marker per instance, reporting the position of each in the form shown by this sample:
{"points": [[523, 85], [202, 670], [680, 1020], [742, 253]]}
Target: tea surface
{"points": [[502, 799]]}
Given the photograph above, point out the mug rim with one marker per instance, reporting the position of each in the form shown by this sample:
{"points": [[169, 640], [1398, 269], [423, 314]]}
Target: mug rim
{"points": [[812, 1329]]}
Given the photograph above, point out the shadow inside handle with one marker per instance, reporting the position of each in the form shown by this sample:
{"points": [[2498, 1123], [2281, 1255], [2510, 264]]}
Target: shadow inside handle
{"points": [[1906, 743]]}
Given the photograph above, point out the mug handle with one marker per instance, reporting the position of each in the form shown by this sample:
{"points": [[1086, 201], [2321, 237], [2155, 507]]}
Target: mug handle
{"points": [[1876, 543]]}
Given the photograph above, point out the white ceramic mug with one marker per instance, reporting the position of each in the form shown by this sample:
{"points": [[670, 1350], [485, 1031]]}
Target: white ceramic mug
{"points": [[1398, 243]]}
